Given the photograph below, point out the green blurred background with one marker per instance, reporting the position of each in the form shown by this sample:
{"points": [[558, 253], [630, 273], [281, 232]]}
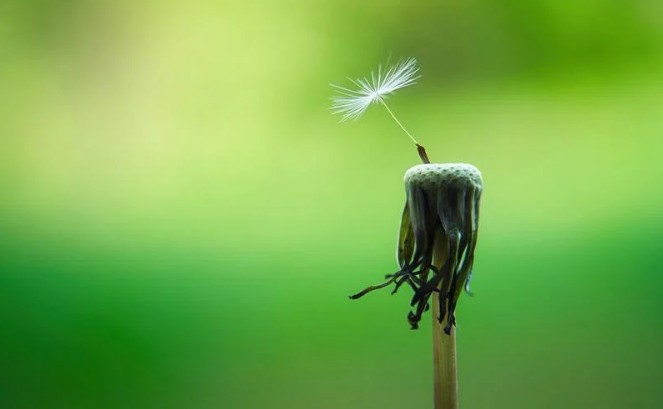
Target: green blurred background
{"points": [[181, 218]]}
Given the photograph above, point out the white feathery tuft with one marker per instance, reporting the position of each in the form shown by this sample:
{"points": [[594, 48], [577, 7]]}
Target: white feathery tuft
{"points": [[353, 103]]}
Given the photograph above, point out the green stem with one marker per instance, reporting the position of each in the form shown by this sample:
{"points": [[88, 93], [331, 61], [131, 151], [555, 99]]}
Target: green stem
{"points": [[445, 381]]}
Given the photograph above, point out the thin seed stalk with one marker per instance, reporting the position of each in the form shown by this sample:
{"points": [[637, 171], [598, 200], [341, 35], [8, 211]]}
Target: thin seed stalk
{"points": [[445, 381]]}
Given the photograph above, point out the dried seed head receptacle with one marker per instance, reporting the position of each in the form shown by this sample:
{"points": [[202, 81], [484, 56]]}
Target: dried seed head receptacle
{"points": [[441, 212]]}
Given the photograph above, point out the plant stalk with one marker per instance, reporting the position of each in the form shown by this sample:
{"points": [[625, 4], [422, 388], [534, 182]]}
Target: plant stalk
{"points": [[445, 381]]}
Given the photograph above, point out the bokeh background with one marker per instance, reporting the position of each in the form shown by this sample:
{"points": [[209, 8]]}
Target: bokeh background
{"points": [[181, 218]]}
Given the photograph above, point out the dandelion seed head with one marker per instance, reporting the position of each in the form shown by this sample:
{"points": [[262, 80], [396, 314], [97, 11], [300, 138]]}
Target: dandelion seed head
{"points": [[352, 103]]}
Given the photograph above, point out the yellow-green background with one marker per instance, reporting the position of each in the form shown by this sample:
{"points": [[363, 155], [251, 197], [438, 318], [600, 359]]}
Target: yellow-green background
{"points": [[181, 218]]}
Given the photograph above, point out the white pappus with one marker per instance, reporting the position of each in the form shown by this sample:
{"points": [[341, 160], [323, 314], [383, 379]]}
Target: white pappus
{"points": [[352, 103]]}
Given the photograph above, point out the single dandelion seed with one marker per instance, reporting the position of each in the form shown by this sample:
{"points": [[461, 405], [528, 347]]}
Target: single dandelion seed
{"points": [[352, 103]]}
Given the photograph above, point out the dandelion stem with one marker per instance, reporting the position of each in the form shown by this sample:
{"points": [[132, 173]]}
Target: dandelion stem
{"points": [[445, 381], [398, 122]]}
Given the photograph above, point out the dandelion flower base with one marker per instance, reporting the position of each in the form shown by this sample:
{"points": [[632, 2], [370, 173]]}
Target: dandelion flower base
{"points": [[441, 215]]}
